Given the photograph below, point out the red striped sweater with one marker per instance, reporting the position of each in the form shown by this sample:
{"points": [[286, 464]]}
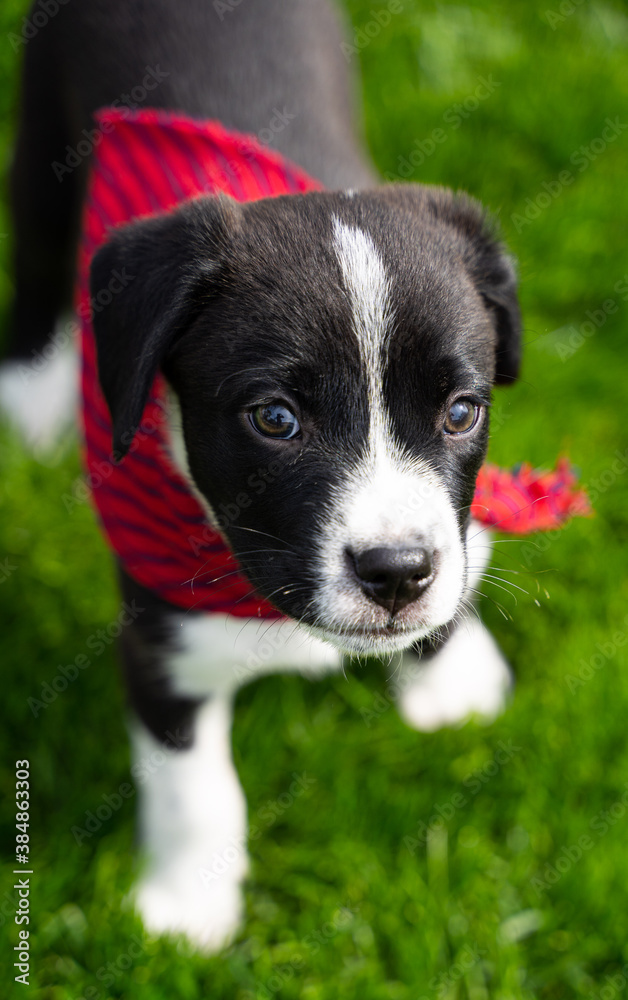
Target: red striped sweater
{"points": [[146, 162]]}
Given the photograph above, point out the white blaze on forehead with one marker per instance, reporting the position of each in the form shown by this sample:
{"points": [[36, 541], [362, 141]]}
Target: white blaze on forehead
{"points": [[368, 288], [390, 498], [388, 472]]}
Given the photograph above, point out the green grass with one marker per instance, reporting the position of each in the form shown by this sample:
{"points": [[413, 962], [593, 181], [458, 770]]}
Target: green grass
{"points": [[340, 903]]}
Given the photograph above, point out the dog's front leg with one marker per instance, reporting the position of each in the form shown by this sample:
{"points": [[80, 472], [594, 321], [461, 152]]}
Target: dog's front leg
{"points": [[463, 675], [182, 671], [467, 676], [192, 811], [193, 828]]}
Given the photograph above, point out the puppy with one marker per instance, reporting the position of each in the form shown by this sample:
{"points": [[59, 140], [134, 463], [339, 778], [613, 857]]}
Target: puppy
{"points": [[317, 370]]}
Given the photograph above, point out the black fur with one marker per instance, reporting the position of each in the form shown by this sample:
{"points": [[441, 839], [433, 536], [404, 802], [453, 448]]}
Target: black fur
{"points": [[201, 272], [237, 304], [171, 265], [145, 646], [94, 53]]}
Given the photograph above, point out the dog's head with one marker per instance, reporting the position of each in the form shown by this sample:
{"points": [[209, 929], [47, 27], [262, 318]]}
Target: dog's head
{"points": [[333, 357]]}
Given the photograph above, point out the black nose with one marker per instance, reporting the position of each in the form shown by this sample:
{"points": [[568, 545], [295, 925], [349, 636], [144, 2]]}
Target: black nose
{"points": [[393, 577]]}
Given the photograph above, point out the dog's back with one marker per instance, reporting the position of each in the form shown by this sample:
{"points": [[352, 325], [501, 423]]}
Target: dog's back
{"points": [[269, 68], [236, 62], [342, 344]]}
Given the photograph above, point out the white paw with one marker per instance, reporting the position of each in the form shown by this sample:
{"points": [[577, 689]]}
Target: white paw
{"points": [[209, 916], [468, 676], [193, 831], [39, 397]]}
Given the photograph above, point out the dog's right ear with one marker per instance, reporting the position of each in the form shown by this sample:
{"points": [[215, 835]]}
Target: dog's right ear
{"points": [[155, 275], [485, 258]]}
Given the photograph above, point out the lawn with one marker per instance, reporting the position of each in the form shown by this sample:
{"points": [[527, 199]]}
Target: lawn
{"points": [[485, 861]]}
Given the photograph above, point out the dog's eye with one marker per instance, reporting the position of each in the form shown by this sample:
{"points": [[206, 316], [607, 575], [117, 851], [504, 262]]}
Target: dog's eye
{"points": [[462, 416], [275, 420]]}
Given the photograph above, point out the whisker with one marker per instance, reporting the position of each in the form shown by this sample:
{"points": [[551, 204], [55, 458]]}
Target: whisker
{"points": [[502, 569], [510, 514], [256, 531], [499, 606], [492, 583], [490, 576]]}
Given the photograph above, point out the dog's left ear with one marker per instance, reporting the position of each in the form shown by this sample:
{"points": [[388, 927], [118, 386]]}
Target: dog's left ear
{"points": [[485, 258], [494, 274], [148, 284]]}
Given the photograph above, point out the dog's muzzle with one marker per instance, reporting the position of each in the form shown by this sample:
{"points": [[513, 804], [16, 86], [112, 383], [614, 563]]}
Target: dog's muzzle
{"points": [[393, 577]]}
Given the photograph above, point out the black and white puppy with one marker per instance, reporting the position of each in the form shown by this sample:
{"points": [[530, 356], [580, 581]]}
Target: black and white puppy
{"points": [[383, 318]]}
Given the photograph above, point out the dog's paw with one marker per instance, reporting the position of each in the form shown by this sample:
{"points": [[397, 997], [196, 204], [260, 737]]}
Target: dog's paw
{"points": [[467, 676], [39, 397], [209, 916]]}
